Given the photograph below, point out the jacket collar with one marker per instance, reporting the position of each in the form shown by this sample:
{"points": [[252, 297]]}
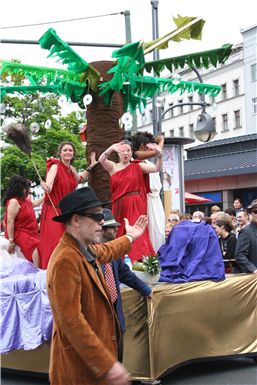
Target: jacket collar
{"points": [[89, 261]]}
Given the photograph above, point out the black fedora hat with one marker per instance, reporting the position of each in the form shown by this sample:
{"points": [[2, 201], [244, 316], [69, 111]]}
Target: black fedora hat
{"points": [[109, 220], [76, 202]]}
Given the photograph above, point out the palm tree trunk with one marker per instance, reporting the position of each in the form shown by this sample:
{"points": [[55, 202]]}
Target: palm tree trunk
{"points": [[102, 131]]}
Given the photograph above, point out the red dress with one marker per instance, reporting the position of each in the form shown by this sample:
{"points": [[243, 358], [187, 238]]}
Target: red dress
{"points": [[50, 231], [25, 227], [129, 188]]}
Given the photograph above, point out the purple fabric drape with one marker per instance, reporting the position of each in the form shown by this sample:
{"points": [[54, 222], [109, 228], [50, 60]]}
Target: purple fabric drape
{"points": [[191, 253], [26, 317]]}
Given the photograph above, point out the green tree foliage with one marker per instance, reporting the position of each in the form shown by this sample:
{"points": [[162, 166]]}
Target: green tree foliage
{"points": [[38, 108]]}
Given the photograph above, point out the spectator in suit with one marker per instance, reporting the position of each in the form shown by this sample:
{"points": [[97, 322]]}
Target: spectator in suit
{"points": [[121, 273], [246, 249], [243, 219]]}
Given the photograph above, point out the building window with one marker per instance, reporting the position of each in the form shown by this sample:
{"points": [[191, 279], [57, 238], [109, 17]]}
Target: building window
{"points": [[181, 131], [171, 111], [254, 106], [190, 100], [214, 122], [171, 133], [224, 122], [237, 119], [224, 91], [180, 108], [191, 130], [254, 72], [236, 87]]}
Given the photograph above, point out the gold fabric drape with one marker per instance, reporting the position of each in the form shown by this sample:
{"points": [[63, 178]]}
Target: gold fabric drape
{"points": [[181, 322], [189, 321]]}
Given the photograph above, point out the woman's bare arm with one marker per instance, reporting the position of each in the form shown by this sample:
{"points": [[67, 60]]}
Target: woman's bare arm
{"points": [[85, 174], [149, 168], [50, 177], [12, 212], [107, 164]]}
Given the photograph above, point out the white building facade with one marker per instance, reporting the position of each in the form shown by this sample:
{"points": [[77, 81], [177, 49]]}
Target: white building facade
{"points": [[234, 114]]}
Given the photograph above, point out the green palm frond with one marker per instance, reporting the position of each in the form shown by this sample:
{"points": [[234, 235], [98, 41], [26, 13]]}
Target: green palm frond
{"points": [[197, 59], [139, 88], [58, 48], [42, 79]]}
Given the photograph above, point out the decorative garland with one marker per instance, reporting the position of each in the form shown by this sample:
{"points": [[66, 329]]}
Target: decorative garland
{"points": [[127, 71], [198, 59]]}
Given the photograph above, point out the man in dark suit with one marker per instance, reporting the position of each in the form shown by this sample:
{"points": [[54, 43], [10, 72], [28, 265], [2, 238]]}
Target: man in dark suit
{"points": [[121, 274], [246, 249]]}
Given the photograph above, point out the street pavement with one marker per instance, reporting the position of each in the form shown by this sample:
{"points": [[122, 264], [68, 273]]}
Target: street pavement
{"points": [[227, 372]]}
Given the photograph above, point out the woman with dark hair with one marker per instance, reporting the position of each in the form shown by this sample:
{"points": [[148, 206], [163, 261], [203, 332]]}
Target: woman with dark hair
{"points": [[227, 238], [142, 150], [21, 227], [61, 179], [238, 205], [129, 187]]}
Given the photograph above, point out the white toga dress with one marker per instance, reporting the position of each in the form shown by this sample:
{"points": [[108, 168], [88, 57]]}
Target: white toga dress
{"points": [[156, 215]]}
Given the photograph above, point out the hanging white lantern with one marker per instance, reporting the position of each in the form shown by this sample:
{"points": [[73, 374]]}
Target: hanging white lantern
{"points": [[176, 79], [87, 99], [34, 127], [78, 115], [48, 123], [62, 101], [81, 125], [159, 101], [2, 108], [126, 118], [128, 126]]}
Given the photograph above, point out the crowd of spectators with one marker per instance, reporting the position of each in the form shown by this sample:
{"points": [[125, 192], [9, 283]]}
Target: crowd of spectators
{"points": [[236, 230]]}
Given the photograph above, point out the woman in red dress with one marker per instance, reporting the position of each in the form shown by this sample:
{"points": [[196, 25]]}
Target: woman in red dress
{"points": [[61, 179], [129, 188], [21, 227]]}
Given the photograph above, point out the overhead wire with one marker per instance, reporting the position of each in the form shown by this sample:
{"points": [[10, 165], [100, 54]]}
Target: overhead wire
{"points": [[61, 21]]}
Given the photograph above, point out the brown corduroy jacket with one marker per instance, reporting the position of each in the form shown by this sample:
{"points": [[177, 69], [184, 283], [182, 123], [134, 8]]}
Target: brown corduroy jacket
{"points": [[85, 331]]}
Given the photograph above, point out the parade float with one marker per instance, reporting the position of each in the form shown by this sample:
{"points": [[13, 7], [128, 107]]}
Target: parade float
{"points": [[182, 322]]}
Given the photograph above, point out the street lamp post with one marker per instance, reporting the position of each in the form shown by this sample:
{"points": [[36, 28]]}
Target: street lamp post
{"points": [[156, 119], [204, 130]]}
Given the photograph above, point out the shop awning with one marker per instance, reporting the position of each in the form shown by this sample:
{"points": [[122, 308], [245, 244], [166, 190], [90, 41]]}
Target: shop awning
{"points": [[236, 163], [192, 198]]}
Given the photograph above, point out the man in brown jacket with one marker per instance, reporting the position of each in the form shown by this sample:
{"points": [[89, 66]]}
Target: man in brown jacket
{"points": [[86, 331]]}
